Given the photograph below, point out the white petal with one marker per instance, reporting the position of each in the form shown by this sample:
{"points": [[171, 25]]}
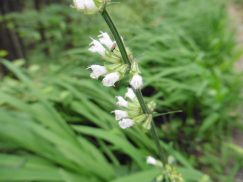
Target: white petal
{"points": [[97, 71], [136, 82], [105, 39], [97, 47], [121, 101], [111, 79], [126, 123], [119, 114], [79, 4], [130, 94], [151, 160], [90, 5]]}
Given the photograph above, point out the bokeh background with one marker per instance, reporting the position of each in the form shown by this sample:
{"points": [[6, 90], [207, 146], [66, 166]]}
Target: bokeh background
{"points": [[55, 122]]}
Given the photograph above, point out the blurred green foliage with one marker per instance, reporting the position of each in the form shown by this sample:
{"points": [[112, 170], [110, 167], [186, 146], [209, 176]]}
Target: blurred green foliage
{"points": [[56, 123]]}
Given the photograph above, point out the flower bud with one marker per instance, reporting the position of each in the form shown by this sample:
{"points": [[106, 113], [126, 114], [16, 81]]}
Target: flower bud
{"points": [[151, 106], [89, 6], [97, 47], [119, 114], [136, 82], [171, 160], [126, 123], [121, 102], [130, 94], [97, 71], [111, 79], [105, 39], [151, 160]]}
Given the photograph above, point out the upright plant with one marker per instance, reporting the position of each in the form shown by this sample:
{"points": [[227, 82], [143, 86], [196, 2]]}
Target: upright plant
{"points": [[118, 63]]}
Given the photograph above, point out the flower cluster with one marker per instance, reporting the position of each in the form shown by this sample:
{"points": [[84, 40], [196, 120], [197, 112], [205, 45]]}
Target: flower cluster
{"points": [[89, 6], [131, 112], [114, 69], [168, 171]]}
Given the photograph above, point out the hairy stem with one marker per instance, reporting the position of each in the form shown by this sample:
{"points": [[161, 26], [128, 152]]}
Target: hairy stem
{"points": [[137, 92], [117, 37]]}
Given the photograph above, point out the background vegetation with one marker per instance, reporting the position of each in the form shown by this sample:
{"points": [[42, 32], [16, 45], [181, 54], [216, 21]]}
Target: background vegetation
{"points": [[56, 123]]}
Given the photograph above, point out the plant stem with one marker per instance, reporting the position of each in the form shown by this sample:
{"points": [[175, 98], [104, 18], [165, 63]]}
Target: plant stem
{"points": [[153, 127], [137, 92], [117, 37]]}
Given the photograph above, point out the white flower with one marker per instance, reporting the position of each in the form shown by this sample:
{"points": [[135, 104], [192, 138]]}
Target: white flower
{"points": [[90, 5], [136, 82], [119, 114], [79, 4], [110, 79], [121, 101], [85, 5], [97, 71], [126, 123], [105, 39], [130, 94], [97, 47], [150, 160]]}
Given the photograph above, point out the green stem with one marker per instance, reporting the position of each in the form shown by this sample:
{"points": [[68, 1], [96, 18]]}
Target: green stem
{"points": [[156, 139], [138, 93], [117, 37], [153, 127], [141, 101]]}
